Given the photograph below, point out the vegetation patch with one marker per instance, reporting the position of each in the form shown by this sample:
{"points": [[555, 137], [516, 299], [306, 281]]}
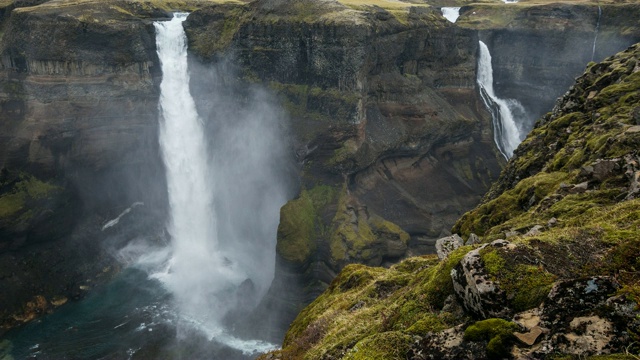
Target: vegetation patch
{"points": [[20, 193], [497, 332], [301, 223], [391, 345], [526, 285]]}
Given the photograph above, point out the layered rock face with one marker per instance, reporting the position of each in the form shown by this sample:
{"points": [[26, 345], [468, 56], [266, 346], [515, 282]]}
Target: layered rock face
{"points": [[391, 136], [385, 116], [565, 282], [78, 146]]}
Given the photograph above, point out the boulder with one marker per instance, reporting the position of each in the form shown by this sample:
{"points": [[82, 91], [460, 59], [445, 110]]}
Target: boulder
{"points": [[447, 245], [478, 294], [571, 298], [473, 239]]}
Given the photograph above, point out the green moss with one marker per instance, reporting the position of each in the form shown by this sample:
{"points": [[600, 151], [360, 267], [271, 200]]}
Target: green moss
{"points": [[382, 226], [300, 224], [20, 195], [5, 350], [217, 36], [349, 239], [526, 285], [497, 332], [11, 204], [434, 283], [14, 89], [317, 106], [343, 153], [489, 16], [428, 323], [389, 345], [363, 301]]}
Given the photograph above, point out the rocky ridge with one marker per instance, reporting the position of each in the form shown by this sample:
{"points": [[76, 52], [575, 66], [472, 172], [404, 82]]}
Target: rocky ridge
{"points": [[564, 283]]}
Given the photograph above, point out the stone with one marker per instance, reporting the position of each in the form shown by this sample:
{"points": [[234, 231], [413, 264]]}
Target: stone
{"points": [[579, 188], [511, 233], [528, 319], [477, 293], [603, 169], [571, 298], [552, 222], [535, 230], [446, 345], [632, 172], [636, 115], [588, 335], [530, 337], [447, 245], [473, 239]]}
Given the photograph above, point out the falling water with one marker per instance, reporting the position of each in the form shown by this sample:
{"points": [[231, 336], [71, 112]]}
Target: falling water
{"points": [[595, 38], [451, 13], [507, 136], [206, 277]]}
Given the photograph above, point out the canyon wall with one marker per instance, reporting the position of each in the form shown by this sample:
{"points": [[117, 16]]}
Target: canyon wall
{"points": [[391, 139]]}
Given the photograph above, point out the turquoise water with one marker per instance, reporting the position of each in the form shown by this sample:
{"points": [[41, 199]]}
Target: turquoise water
{"points": [[130, 318]]}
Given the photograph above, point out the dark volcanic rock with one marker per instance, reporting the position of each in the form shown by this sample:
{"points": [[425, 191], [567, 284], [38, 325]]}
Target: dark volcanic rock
{"points": [[78, 146]]}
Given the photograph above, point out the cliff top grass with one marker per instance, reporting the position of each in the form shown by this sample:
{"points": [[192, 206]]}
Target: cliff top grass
{"points": [[529, 14], [384, 4], [116, 9]]}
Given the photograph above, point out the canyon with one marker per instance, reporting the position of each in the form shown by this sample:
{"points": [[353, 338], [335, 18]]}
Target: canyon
{"points": [[389, 139]]}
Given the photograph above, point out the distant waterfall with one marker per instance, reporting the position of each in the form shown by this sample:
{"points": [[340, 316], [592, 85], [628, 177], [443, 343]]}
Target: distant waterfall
{"points": [[451, 13], [219, 263], [507, 135], [595, 38]]}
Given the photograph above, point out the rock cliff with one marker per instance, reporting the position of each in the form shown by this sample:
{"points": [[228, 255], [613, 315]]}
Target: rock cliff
{"points": [[563, 285], [78, 103], [392, 140]]}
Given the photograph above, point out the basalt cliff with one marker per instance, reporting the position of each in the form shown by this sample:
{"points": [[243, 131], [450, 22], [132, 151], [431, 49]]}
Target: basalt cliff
{"points": [[546, 267], [391, 140]]}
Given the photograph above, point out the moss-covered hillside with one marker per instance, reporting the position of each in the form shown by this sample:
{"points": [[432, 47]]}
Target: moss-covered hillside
{"points": [[565, 284]]}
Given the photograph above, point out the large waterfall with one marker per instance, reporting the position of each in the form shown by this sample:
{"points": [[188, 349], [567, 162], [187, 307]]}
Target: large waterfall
{"points": [[223, 243], [504, 112]]}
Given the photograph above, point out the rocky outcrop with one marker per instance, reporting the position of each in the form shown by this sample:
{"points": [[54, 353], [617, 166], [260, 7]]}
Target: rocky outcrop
{"points": [[446, 245], [477, 292]]}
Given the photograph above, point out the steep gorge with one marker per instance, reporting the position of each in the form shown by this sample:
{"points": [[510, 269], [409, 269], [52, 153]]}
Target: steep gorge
{"points": [[563, 285], [392, 140]]}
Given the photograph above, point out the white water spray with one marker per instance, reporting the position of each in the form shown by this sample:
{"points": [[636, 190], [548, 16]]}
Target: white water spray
{"points": [[506, 134], [224, 197], [595, 38], [197, 270], [451, 13]]}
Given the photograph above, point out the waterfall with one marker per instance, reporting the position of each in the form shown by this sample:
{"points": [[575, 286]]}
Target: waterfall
{"points": [[219, 264], [506, 133], [595, 38], [451, 13]]}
